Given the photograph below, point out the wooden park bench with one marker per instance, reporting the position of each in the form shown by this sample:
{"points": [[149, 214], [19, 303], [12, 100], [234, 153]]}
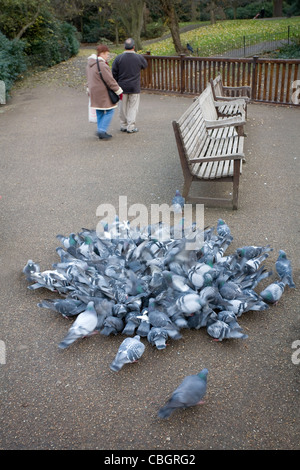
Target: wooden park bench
{"points": [[208, 155], [218, 114], [229, 93]]}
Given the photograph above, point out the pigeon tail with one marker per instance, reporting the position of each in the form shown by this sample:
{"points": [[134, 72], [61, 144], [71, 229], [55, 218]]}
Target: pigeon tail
{"points": [[116, 366], [165, 411], [143, 329], [108, 331], [287, 280]]}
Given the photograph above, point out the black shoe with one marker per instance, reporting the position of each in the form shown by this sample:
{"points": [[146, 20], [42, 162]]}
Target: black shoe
{"points": [[104, 135]]}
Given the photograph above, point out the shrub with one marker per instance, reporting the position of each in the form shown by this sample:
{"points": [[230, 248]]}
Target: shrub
{"points": [[12, 60], [50, 41]]}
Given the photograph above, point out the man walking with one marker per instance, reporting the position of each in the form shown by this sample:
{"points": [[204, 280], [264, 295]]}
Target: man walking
{"points": [[126, 70]]}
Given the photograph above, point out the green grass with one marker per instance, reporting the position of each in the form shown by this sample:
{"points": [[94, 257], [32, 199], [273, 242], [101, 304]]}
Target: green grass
{"points": [[226, 35]]}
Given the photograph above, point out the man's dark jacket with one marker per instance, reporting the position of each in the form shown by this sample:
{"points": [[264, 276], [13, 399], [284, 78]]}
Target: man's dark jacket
{"points": [[126, 70]]}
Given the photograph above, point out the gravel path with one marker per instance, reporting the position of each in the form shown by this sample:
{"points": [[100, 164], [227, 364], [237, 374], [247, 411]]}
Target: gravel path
{"points": [[54, 174]]}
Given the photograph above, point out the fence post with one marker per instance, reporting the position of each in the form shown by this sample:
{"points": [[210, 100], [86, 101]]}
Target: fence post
{"points": [[149, 70], [254, 77], [182, 73]]}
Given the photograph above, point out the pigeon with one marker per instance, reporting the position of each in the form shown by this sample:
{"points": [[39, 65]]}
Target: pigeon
{"points": [[220, 330], [229, 290], [249, 252], [67, 307], [178, 202], [284, 269], [189, 393], [130, 350], [132, 321], [273, 292], [31, 268], [223, 229], [84, 325], [112, 325], [158, 319], [144, 326], [252, 265], [66, 242], [158, 336], [146, 282]]}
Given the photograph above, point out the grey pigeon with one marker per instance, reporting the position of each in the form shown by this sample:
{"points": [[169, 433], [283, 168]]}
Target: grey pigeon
{"points": [[67, 307], [284, 269], [189, 393], [229, 290], [158, 319], [67, 241], [273, 292], [144, 326], [130, 350], [222, 228], [84, 325], [220, 330], [157, 337], [177, 201], [249, 252], [252, 265], [239, 306], [112, 325], [31, 268]]}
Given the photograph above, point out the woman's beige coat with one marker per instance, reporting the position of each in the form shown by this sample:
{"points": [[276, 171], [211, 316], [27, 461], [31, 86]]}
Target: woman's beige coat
{"points": [[96, 88]]}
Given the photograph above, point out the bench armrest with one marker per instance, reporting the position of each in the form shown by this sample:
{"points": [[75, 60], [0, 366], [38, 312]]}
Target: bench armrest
{"points": [[233, 98], [231, 121], [225, 102], [234, 156], [242, 87]]}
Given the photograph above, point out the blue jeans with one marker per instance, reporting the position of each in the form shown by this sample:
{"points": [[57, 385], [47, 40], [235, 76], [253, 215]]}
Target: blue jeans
{"points": [[104, 118]]}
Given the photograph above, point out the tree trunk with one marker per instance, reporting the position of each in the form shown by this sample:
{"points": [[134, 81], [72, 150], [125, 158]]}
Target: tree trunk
{"points": [[131, 13], [193, 10], [172, 21], [277, 7], [212, 12]]}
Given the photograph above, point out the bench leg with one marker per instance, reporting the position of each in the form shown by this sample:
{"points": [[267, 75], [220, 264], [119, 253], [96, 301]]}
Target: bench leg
{"points": [[186, 187], [236, 180], [240, 130]]}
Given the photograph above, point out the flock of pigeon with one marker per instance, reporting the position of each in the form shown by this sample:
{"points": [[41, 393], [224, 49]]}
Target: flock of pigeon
{"points": [[140, 284]]}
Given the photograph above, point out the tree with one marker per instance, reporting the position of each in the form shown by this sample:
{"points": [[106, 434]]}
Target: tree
{"points": [[131, 15], [168, 7], [277, 7], [18, 15]]}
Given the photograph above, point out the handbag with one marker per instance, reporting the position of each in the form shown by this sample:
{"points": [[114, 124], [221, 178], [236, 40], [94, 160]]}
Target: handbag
{"points": [[112, 95]]}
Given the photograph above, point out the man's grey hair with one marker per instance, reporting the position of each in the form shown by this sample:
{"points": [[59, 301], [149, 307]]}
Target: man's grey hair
{"points": [[129, 43]]}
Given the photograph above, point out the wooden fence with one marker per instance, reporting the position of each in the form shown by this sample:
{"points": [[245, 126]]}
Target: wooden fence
{"points": [[271, 80]]}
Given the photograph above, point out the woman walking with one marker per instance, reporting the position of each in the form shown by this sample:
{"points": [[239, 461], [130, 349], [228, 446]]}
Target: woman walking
{"points": [[97, 90]]}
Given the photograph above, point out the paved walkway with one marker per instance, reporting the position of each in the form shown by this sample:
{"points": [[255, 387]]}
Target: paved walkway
{"points": [[54, 174]]}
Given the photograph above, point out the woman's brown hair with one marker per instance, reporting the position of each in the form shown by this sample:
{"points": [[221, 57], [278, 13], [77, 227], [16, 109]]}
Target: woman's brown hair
{"points": [[102, 48]]}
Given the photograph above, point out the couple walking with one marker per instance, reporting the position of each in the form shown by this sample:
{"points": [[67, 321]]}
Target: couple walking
{"points": [[123, 79]]}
